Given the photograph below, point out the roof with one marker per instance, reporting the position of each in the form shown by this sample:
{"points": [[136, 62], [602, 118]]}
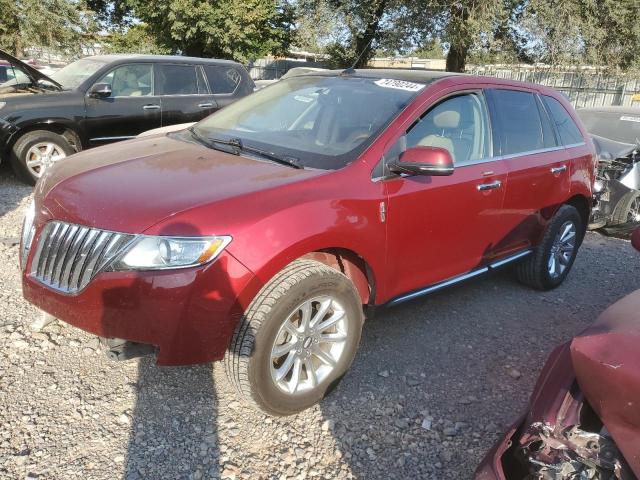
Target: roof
{"points": [[159, 58], [416, 76]]}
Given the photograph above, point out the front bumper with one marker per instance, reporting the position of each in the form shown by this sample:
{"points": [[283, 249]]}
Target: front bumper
{"points": [[189, 314], [553, 387]]}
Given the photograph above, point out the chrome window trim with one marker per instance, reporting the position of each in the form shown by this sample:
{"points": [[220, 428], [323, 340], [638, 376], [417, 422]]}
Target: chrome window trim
{"points": [[459, 278], [530, 152]]}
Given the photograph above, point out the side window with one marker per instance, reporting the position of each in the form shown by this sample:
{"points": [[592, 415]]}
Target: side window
{"points": [[459, 124], [568, 130], [177, 79], [130, 80], [222, 79], [520, 125]]}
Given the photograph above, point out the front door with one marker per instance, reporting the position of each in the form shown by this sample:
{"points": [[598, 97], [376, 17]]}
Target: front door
{"points": [[441, 227], [131, 109], [185, 97]]}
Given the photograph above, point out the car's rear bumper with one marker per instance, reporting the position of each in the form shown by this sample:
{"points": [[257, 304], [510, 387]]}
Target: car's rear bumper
{"points": [[189, 314]]}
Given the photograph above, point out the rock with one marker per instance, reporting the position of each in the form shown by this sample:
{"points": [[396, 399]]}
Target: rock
{"points": [[328, 425], [515, 374], [450, 431], [19, 344], [401, 423], [412, 381], [426, 424], [384, 373], [42, 321]]}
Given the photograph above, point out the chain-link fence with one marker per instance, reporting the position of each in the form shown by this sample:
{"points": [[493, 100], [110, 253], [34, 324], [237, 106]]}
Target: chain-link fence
{"points": [[585, 88]]}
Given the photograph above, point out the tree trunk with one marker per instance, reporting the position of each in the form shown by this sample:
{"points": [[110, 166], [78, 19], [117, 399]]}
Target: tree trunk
{"points": [[458, 34], [457, 58], [363, 42], [18, 49]]}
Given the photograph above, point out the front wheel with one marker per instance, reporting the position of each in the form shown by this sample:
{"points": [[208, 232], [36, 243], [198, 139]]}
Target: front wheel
{"points": [[297, 339], [36, 151], [550, 263]]}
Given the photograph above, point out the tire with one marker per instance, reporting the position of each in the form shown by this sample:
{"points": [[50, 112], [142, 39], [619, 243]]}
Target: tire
{"points": [[626, 208], [52, 147], [250, 364], [535, 270]]}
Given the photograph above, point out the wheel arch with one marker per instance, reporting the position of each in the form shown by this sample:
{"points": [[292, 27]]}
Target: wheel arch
{"points": [[583, 206], [64, 128]]}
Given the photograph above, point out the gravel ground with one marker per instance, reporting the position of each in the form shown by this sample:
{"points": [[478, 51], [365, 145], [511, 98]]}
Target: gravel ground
{"points": [[435, 383]]}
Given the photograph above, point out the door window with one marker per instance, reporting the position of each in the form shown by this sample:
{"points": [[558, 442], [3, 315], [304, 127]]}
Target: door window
{"points": [[222, 80], [459, 124], [130, 80], [567, 128], [521, 128], [178, 80]]}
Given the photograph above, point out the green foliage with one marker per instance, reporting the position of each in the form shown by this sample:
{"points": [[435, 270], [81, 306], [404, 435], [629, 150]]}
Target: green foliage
{"points": [[223, 28], [135, 39], [59, 25]]}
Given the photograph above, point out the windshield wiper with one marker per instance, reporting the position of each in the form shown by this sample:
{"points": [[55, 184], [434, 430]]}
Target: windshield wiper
{"points": [[239, 147]]}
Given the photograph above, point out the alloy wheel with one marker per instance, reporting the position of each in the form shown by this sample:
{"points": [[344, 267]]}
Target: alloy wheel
{"points": [[563, 249], [309, 345], [41, 156]]}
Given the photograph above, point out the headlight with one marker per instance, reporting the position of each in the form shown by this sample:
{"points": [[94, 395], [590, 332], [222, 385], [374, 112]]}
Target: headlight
{"points": [[159, 253], [28, 230]]}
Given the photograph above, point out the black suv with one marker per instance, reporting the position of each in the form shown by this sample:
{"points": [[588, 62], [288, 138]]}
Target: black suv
{"points": [[102, 99]]}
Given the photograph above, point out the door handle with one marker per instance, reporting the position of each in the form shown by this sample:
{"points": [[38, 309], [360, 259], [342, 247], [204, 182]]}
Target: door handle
{"points": [[559, 169], [151, 107], [205, 105], [489, 186]]}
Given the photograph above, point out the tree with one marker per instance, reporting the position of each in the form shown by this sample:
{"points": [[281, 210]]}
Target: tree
{"points": [[223, 28], [134, 39], [59, 25]]}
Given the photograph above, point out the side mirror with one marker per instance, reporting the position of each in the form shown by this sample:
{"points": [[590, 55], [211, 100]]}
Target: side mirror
{"points": [[635, 239], [100, 90], [434, 161]]}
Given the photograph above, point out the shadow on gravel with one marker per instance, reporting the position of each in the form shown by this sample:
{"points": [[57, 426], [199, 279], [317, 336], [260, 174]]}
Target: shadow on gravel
{"points": [[438, 379], [12, 190], [173, 432]]}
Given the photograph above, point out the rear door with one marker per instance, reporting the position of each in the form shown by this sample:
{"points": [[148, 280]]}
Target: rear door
{"points": [[132, 108], [538, 166], [184, 93], [441, 227]]}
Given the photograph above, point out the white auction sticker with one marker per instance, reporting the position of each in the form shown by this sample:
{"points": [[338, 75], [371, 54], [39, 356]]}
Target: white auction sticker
{"points": [[630, 119], [399, 84]]}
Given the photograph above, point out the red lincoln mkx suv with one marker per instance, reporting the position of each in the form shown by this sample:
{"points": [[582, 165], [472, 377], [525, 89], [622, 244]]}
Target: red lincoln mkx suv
{"points": [[262, 234]]}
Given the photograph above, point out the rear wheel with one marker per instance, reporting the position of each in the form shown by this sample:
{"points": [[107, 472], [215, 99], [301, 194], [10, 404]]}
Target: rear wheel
{"points": [[297, 339], [35, 151], [550, 263]]}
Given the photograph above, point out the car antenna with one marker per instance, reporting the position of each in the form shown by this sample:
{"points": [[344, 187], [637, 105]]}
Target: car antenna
{"points": [[352, 69]]}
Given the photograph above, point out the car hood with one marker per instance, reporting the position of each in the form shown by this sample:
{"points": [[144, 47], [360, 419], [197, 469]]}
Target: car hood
{"points": [[131, 186], [33, 73]]}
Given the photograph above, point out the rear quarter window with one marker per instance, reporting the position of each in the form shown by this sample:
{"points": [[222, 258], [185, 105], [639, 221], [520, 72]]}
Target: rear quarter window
{"points": [[567, 128], [520, 123], [223, 80]]}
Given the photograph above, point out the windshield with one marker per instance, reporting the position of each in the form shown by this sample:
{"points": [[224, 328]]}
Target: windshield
{"points": [[322, 122], [75, 73], [11, 76], [618, 126]]}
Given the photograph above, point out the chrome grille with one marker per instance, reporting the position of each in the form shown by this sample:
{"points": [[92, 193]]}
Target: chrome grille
{"points": [[68, 256]]}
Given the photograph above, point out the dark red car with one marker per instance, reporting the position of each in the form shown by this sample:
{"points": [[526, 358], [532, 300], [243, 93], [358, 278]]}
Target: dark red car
{"points": [[583, 420], [262, 234]]}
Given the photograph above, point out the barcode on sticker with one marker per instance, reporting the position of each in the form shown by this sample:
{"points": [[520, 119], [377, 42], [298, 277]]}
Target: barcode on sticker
{"points": [[399, 84]]}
